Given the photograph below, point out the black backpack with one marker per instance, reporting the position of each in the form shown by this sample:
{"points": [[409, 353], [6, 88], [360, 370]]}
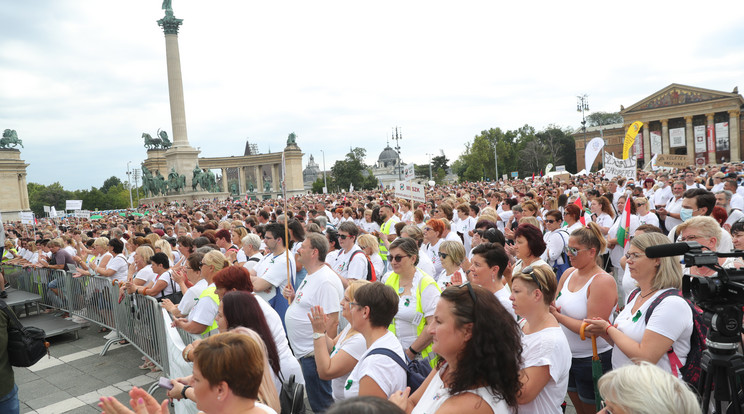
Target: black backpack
{"points": [[26, 345], [416, 370], [692, 369], [292, 397]]}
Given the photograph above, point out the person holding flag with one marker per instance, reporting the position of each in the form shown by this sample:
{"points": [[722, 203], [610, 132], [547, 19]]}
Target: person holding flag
{"points": [[618, 237]]}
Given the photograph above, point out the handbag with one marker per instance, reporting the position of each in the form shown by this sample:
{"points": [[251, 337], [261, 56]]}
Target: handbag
{"points": [[26, 345], [174, 297], [292, 396]]}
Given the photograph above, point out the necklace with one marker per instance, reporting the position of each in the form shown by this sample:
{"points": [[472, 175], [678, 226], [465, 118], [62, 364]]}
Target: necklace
{"points": [[648, 294]]}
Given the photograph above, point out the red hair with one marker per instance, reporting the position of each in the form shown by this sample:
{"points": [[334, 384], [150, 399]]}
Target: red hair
{"points": [[233, 277]]}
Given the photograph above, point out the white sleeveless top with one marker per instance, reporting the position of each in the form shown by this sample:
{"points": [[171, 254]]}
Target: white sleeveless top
{"points": [[436, 394], [574, 305]]}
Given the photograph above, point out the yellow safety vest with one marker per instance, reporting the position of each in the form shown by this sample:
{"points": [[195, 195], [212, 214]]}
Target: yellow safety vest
{"points": [[385, 229], [210, 293], [15, 255], [394, 281]]}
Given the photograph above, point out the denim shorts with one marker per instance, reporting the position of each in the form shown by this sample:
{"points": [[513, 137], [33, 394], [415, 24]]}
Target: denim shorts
{"points": [[580, 375]]}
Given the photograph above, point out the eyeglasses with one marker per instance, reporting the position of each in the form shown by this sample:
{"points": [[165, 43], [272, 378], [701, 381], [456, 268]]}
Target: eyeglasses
{"points": [[399, 257], [640, 204], [572, 251], [529, 271], [428, 229], [471, 291], [342, 236], [690, 238], [550, 221], [354, 304], [633, 256], [443, 255]]}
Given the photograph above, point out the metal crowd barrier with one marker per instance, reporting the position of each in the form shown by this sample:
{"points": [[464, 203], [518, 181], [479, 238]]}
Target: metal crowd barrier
{"points": [[35, 280]]}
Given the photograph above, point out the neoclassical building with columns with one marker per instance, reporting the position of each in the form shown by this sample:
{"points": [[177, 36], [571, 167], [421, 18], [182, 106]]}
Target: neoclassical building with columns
{"points": [[685, 120]]}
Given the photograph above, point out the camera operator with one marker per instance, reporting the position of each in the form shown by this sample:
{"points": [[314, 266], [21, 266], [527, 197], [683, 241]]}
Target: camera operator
{"points": [[671, 322]]}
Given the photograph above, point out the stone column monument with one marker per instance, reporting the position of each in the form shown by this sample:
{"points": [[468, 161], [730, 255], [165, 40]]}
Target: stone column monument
{"points": [[13, 188], [181, 156]]}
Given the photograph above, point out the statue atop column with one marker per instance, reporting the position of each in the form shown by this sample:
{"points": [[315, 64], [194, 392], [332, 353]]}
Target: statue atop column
{"points": [[10, 137], [169, 22]]}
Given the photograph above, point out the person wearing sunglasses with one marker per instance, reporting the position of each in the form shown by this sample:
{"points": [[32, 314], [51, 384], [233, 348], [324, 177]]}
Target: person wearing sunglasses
{"points": [[556, 240], [670, 325], [469, 321], [585, 291], [645, 389], [418, 295], [452, 255], [546, 354], [645, 216]]}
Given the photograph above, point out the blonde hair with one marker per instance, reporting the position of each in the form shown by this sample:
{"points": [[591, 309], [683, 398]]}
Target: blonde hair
{"points": [[101, 242], [267, 393], [647, 389], [145, 252], [215, 259], [367, 240], [669, 273], [707, 226], [548, 282], [455, 251], [530, 220], [164, 247]]}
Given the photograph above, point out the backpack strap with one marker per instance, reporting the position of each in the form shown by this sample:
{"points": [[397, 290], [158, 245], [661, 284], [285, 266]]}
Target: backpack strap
{"points": [[674, 360], [253, 259], [368, 262], [633, 295], [390, 354]]}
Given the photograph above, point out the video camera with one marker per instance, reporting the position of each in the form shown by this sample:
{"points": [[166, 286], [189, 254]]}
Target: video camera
{"points": [[721, 296]]}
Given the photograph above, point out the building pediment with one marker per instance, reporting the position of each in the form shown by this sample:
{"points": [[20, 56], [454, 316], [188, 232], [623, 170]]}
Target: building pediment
{"points": [[676, 94]]}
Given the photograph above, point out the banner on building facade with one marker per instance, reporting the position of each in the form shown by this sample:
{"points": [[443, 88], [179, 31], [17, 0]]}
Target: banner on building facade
{"points": [[676, 137], [673, 161], [638, 149], [711, 140], [655, 142], [699, 133], [592, 150], [722, 136], [615, 167], [630, 137]]}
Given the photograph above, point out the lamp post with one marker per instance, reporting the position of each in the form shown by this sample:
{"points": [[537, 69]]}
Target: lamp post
{"points": [[495, 162], [129, 184], [325, 184], [397, 137], [582, 105], [429, 166]]}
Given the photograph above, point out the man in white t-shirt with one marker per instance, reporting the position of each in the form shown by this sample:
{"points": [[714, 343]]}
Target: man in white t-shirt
{"points": [[737, 201], [348, 263], [270, 273], [321, 287], [723, 199]]}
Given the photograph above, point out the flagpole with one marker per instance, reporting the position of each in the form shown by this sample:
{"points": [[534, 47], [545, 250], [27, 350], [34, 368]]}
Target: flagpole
{"points": [[286, 220]]}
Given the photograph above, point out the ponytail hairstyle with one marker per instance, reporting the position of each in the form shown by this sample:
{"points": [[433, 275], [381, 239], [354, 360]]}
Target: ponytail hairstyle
{"points": [[591, 236]]}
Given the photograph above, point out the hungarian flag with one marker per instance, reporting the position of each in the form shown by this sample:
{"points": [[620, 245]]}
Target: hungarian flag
{"points": [[623, 232], [587, 212]]}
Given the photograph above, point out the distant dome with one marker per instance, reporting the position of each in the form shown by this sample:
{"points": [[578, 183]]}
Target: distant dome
{"points": [[387, 157], [311, 172]]}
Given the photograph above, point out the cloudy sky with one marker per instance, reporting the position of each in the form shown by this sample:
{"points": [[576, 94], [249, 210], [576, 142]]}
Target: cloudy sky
{"points": [[82, 80]]}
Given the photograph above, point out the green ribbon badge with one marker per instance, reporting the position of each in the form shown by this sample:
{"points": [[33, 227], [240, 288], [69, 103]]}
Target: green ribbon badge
{"points": [[348, 384], [637, 316]]}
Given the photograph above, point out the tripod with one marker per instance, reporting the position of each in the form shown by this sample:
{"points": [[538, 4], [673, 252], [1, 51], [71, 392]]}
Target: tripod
{"points": [[722, 366]]}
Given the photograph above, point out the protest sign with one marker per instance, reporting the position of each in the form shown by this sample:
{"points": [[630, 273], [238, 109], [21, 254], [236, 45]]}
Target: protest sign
{"points": [[615, 167]]}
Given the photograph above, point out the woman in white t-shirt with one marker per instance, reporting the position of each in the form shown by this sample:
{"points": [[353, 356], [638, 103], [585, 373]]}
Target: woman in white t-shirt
{"points": [[336, 357], [645, 216], [546, 356], [102, 257], [376, 375], [469, 321], [487, 270], [670, 324], [451, 253], [602, 213]]}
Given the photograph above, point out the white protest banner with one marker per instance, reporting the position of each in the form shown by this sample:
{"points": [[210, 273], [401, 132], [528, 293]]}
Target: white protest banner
{"points": [[85, 214], [560, 168], [615, 167], [74, 205], [53, 212], [47, 209], [548, 168], [676, 137], [408, 172], [655, 142], [27, 217], [410, 191]]}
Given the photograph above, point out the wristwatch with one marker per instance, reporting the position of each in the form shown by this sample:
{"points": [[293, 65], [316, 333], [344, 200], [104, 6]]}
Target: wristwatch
{"points": [[183, 391], [317, 335]]}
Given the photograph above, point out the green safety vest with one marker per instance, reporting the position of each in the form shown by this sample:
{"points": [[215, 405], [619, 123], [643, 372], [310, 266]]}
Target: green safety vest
{"points": [[394, 281], [210, 293], [385, 229]]}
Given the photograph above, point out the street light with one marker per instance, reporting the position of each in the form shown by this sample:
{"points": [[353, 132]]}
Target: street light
{"points": [[397, 137], [129, 184], [429, 166], [325, 184], [581, 106]]}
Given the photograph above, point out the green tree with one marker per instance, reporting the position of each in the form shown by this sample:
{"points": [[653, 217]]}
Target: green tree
{"points": [[349, 170], [439, 162], [603, 118], [317, 187], [110, 182]]}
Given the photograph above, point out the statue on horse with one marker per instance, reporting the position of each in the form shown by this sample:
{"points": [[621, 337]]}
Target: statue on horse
{"points": [[10, 137], [175, 181], [164, 141]]}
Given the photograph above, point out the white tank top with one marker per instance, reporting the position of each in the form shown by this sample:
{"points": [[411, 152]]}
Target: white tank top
{"points": [[574, 305]]}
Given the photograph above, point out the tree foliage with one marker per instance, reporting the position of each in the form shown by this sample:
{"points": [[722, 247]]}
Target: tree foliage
{"points": [[351, 171], [603, 118], [112, 195]]}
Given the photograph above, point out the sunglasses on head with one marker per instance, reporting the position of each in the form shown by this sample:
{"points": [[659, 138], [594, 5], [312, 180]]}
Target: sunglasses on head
{"points": [[529, 271]]}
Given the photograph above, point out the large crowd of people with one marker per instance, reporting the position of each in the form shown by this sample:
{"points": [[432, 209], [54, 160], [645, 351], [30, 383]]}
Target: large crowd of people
{"points": [[490, 285]]}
